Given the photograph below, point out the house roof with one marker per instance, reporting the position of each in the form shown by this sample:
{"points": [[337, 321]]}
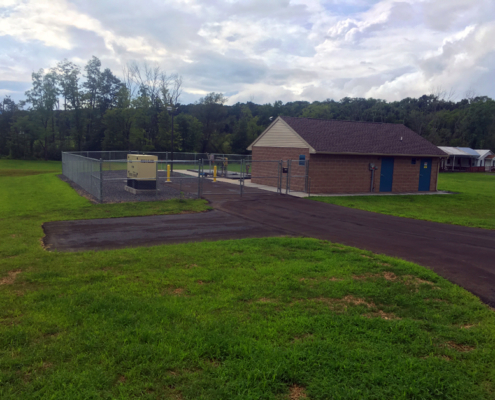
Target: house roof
{"points": [[354, 137], [458, 151], [483, 153], [470, 151]]}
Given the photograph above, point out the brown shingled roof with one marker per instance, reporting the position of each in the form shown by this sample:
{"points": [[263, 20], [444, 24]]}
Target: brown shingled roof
{"points": [[334, 136]]}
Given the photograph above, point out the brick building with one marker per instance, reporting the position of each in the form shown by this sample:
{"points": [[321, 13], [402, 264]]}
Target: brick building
{"points": [[338, 156]]}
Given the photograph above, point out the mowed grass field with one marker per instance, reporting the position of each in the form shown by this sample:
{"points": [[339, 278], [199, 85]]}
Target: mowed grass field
{"points": [[472, 205], [276, 318]]}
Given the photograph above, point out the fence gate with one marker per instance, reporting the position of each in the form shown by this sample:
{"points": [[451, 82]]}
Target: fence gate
{"points": [[253, 177], [296, 177], [244, 177]]}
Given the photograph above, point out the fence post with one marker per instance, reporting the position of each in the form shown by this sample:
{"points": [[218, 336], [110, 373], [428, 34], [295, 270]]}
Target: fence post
{"points": [[199, 178], [101, 180], [287, 179], [307, 177]]}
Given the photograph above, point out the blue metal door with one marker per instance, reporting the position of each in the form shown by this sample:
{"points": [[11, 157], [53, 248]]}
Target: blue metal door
{"points": [[386, 174], [424, 175]]}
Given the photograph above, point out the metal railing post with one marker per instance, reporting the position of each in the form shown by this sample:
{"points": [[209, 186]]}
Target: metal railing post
{"points": [[101, 180], [307, 177], [199, 179], [287, 182]]}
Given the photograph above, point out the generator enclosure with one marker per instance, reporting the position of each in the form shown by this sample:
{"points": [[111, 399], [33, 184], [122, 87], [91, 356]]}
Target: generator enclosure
{"points": [[141, 171]]}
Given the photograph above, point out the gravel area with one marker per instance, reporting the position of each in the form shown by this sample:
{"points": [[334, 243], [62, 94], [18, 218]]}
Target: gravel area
{"points": [[115, 181]]}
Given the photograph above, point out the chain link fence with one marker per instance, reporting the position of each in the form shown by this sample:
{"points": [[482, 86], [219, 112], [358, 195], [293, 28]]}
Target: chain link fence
{"points": [[104, 179], [83, 171]]}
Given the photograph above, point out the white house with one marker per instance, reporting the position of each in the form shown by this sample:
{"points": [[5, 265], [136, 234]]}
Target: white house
{"points": [[486, 159], [460, 158]]}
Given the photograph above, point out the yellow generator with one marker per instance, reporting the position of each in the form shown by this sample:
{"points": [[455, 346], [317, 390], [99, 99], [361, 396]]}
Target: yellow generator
{"points": [[141, 172]]}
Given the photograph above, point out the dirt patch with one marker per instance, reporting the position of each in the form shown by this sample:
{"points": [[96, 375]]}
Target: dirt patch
{"points": [[381, 314], [307, 336], [297, 392], [419, 281], [467, 326], [213, 363], [10, 278], [121, 379], [46, 365], [357, 301], [408, 280], [343, 302], [333, 279], [443, 357], [389, 276], [415, 281], [178, 291], [460, 347], [265, 300]]}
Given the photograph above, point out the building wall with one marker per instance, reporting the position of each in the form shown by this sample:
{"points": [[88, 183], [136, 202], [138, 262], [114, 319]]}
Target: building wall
{"points": [[351, 174], [264, 167], [338, 173]]}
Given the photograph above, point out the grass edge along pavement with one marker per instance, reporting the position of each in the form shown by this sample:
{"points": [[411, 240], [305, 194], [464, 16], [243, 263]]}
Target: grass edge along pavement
{"points": [[473, 204], [245, 319]]}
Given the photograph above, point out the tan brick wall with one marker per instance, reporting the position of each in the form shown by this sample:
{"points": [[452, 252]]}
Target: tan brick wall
{"points": [[264, 165], [406, 175], [342, 173], [435, 168], [338, 173]]}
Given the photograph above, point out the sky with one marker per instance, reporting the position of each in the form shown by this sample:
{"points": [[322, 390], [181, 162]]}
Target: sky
{"points": [[262, 50]]}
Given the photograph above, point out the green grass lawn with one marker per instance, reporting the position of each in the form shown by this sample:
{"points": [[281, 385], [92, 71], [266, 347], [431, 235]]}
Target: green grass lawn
{"points": [[474, 205], [276, 318], [24, 168]]}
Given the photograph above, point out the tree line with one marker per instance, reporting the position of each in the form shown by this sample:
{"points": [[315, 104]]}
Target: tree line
{"points": [[91, 109]]}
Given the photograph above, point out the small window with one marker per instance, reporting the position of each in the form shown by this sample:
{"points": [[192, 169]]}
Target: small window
{"points": [[302, 159], [413, 161]]}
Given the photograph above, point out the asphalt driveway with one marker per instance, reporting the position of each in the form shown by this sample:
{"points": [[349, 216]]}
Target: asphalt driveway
{"points": [[465, 256]]}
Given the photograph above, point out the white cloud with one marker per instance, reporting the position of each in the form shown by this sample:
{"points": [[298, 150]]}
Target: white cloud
{"points": [[269, 50]]}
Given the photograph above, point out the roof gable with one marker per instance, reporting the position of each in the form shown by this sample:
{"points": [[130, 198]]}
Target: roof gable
{"points": [[353, 137], [279, 134], [483, 153]]}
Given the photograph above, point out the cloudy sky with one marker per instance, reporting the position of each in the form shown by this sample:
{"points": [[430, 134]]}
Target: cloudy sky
{"points": [[262, 50]]}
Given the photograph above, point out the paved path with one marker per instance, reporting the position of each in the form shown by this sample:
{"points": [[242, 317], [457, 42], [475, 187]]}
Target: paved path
{"points": [[117, 233], [465, 256]]}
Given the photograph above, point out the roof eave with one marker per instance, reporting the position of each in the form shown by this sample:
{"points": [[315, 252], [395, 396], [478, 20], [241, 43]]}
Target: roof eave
{"points": [[382, 154]]}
